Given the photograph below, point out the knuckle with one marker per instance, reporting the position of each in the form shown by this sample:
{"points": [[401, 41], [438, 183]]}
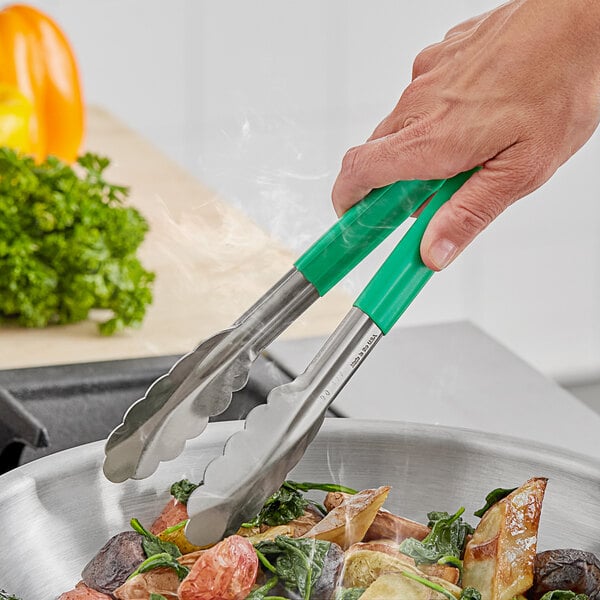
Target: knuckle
{"points": [[471, 220], [418, 125], [420, 65], [428, 141], [387, 126], [351, 164], [425, 60]]}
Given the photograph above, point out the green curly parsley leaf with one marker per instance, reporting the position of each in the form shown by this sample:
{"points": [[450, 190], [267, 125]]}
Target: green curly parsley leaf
{"points": [[68, 245]]}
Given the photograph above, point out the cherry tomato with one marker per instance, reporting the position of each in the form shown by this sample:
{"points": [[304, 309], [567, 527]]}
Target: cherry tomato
{"points": [[226, 571]]}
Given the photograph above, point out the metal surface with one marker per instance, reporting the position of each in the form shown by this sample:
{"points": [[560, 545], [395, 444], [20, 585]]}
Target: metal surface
{"points": [[55, 513], [256, 461], [457, 375], [47, 409], [177, 406]]}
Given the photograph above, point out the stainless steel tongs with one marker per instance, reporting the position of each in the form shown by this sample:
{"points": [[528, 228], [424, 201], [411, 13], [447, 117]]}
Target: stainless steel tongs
{"points": [[255, 461]]}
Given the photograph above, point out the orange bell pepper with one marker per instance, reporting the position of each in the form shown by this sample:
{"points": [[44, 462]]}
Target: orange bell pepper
{"points": [[36, 58], [15, 116]]}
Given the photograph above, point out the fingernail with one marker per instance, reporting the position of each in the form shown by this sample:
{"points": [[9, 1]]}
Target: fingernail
{"points": [[442, 252]]}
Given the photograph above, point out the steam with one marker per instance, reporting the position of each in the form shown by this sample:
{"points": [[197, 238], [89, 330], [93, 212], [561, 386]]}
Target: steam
{"points": [[270, 167]]}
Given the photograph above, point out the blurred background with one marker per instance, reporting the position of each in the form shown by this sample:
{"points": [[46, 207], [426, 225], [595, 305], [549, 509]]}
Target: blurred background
{"points": [[260, 100]]}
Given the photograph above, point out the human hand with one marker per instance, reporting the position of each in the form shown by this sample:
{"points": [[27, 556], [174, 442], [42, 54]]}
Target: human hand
{"points": [[515, 90]]}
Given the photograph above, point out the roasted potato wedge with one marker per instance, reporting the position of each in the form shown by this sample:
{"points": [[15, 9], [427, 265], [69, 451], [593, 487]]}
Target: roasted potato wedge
{"points": [[499, 557], [347, 523], [362, 567], [295, 528], [385, 524], [176, 535], [157, 581], [387, 546], [305, 522], [271, 533], [391, 526], [393, 586], [446, 572]]}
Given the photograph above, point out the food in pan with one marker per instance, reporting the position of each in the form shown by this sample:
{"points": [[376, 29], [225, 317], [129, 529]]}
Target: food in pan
{"points": [[347, 548]]}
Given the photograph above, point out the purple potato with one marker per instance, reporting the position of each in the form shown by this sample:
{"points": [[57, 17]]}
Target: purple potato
{"points": [[115, 561], [566, 569]]}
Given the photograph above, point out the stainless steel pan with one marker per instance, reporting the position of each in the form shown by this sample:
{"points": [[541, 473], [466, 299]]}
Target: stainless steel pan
{"points": [[56, 512]]}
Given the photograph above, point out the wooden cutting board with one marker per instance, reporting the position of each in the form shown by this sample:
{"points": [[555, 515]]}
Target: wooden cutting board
{"points": [[211, 264]]}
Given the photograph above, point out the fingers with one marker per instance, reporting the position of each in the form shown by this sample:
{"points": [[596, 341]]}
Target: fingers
{"points": [[377, 163], [420, 150], [481, 199]]}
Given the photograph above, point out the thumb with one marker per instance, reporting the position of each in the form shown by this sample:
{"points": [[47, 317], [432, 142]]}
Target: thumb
{"points": [[471, 209]]}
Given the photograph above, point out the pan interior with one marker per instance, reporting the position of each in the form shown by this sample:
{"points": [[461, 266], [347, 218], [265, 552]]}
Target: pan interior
{"points": [[56, 512]]}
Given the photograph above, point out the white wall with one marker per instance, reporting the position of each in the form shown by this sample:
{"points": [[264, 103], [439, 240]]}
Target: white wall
{"points": [[261, 99]]}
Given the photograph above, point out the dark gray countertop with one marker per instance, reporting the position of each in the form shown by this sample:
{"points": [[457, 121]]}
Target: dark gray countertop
{"points": [[455, 374]]}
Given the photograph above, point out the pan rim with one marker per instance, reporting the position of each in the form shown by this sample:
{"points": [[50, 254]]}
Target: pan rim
{"points": [[217, 434]]}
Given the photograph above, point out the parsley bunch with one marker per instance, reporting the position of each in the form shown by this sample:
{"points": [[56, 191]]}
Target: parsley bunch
{"points": [[67, 245]]}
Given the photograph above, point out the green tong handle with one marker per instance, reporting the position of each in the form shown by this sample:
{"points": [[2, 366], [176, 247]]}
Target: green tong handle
{"points": [[360, 230], [403, 274]]}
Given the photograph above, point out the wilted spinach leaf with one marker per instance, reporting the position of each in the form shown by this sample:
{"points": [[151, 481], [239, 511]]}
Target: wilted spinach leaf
{"points": [[6, 596], [182, 490], [262, 592], [563, 595], [288, 503], [491, 499], [470, 593], [430, 584], [349, 593], [152, 544], [164, 559], [285, 505], [307, 486], [447, 538], [298, 562], [157, 597]]}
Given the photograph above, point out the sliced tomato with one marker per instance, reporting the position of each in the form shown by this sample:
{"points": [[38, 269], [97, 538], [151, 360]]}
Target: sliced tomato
{"points": [[226, 571]]}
